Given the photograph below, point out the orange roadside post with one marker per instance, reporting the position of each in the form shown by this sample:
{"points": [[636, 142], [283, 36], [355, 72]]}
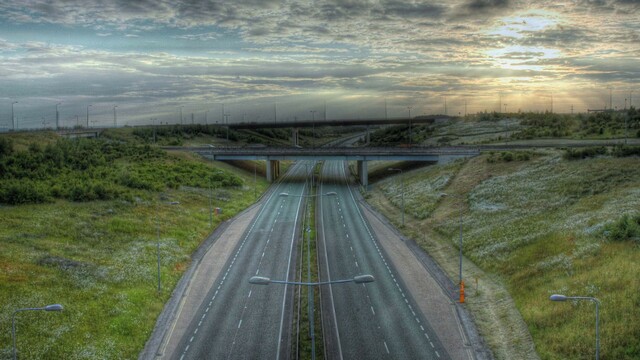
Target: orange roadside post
{"points": [[462, 291]]}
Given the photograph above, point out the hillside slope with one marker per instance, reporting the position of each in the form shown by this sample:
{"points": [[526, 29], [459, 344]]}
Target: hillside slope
{"points": [[534, 227]]}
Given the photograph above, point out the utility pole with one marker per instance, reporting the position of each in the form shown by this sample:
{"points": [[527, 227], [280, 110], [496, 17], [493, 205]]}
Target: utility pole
{"points": [[181, 119], [115, 117], [386, 115], [13, 116], [88, 106], [445, 104], [57, 117], [465, 108], [610, 99]]}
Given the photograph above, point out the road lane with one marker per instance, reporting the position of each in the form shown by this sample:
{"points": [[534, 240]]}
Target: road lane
{"points": [[374, 321], [239, 320]]}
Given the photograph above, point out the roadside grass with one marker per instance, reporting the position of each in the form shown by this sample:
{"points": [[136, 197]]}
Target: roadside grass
{"points": [[536, 228], [98, 259]]}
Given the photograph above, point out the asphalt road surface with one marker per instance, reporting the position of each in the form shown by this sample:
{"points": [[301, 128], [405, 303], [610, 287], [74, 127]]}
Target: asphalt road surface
{"points": [[378, 320], [239, 320]]}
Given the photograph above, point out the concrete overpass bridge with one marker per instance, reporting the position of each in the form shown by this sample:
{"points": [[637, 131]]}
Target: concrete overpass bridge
{"points": [[273, 155]]}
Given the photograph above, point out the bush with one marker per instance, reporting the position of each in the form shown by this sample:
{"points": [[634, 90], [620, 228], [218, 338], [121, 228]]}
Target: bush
{"points": [[624, 151], [6, 146], [626, 228], [575, 154], [15, 192]]}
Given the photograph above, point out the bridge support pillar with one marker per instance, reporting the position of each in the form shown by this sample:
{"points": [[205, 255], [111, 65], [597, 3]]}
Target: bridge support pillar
{"points": [[273, 170], [363, 173], [294, 136]]}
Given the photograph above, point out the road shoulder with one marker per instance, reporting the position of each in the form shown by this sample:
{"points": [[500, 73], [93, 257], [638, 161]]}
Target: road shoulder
{"points": [[431, 289], [207, 263]]}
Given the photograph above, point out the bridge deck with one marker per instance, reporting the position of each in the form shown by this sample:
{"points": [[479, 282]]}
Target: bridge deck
{"points": [[334, 153]]}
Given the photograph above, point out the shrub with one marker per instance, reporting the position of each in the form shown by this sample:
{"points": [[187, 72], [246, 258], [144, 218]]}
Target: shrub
{"points": [[626, 228], [575, 154], [14, 192], [623, 151]]}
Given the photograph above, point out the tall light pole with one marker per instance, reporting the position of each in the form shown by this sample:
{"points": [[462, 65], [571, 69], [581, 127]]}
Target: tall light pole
{"points": [[360, 279], [205, 117], [13, 117], [115, 117], [57, 116], [88, 106], [557, 297], [610, 98], [158, 242], [313, 124], [410, 135], [309, 292], [54, 307], [460, 281], [630, 93], [402, 189], [181, 119]]}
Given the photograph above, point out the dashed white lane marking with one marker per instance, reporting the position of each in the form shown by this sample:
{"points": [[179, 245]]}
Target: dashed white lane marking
{"points": [[372, 311], [386, 347], [225, 277], [373, 240]]}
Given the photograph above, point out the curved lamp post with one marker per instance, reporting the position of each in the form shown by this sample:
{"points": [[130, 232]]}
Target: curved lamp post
{"points": [[402, 184], [360, 279], [558, 297], [54, 307]]}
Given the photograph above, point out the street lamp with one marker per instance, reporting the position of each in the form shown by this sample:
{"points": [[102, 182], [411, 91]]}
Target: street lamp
{"points": [[402, 184], [158, 241], [13, 117], [54, 307], [460, 281], [57, 116], [88, 106], [557, 297], [360, 279], [331, 193]]}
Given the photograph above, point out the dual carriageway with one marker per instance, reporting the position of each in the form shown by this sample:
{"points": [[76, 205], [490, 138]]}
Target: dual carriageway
{"points": [[239, 320]]}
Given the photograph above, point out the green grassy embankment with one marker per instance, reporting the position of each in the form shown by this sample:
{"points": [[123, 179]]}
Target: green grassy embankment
{"points": [[83, 233], [534, 225]]}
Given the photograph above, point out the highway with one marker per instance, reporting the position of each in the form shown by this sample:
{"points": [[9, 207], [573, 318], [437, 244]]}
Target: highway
{"points": [[379, 320], [238, 320]]}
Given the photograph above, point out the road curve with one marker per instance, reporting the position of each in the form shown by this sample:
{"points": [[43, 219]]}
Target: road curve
{"points": [[238, 320], [379, 320]]}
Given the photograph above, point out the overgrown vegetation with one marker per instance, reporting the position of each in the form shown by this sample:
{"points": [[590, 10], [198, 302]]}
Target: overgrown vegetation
{"points": [[487, 127], [98, 258], [87, 170], [627, 228], [543, 226], [591, 152]]}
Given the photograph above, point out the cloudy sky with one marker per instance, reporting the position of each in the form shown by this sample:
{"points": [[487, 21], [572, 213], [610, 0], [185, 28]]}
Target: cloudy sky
{"points": [[157, 58]]}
